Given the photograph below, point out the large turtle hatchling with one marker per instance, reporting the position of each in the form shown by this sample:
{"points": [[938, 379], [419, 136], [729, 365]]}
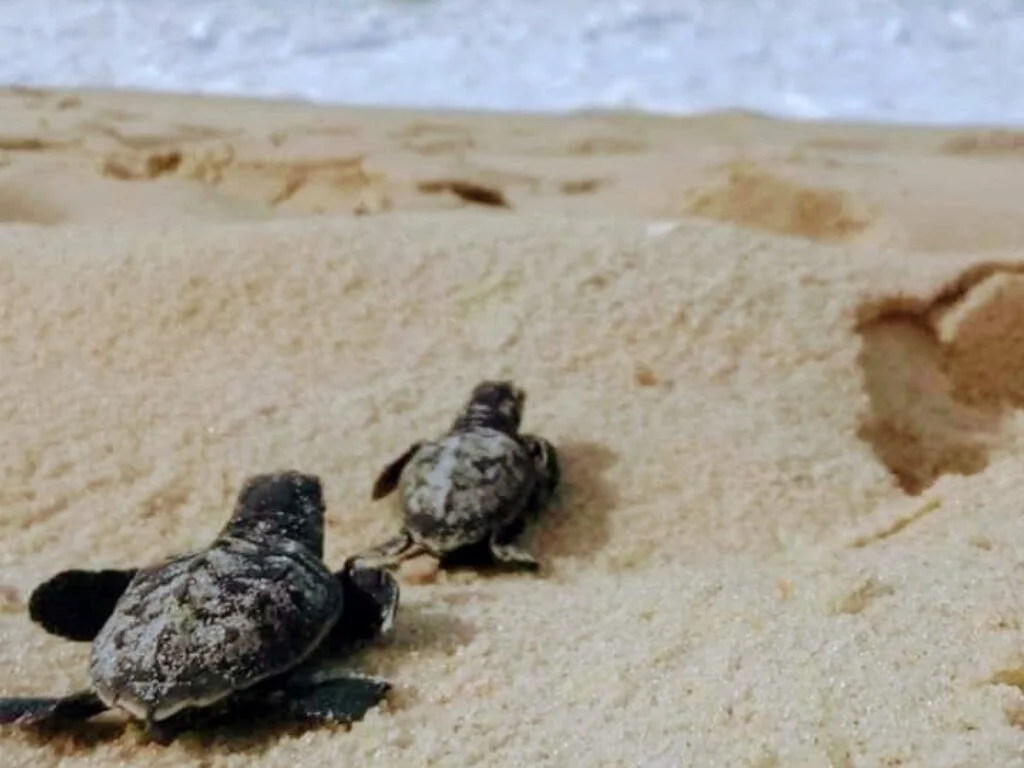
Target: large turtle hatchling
{"points": [[476, 484], [237, 628]]}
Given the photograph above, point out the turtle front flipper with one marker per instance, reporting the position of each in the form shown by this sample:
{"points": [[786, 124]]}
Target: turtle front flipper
{"points": [[30, 711], [548, 471], [332, 697], [387, 480], [371, 598], [75, 604]]}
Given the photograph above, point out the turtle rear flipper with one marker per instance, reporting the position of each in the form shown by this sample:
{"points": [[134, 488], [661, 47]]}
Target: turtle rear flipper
{"points": [[75, 604], [390, 553], [43, 710], [387, 480]]}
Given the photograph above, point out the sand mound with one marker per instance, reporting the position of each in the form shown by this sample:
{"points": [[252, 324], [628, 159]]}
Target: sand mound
{"points": [[789, 529]]}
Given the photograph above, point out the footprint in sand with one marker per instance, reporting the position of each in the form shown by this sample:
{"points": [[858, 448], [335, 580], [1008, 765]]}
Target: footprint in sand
{"points": [[943, 374]]}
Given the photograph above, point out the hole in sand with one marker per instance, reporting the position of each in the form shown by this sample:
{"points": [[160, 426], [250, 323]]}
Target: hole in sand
{"points": [[469, 191], [150, 165], [943, 375], [580, 186], [1013, 710], [752, 197]]}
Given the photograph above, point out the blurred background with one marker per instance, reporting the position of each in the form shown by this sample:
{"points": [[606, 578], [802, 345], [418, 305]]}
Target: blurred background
{"points": [[921, 61]]}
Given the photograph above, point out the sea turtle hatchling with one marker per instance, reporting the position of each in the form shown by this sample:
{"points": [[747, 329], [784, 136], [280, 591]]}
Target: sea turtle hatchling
{"points": [[236, 628], [476, 484]]}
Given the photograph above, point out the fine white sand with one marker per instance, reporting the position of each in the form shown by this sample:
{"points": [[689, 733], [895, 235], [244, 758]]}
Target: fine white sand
{"points": [[781, 363]]}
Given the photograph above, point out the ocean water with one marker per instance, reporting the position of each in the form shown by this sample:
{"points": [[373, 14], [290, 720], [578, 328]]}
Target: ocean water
{"points": [[894, 60]]}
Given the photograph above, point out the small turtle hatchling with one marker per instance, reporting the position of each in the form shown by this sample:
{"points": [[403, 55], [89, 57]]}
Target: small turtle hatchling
{"points": [[240, 628], [476, 484]]}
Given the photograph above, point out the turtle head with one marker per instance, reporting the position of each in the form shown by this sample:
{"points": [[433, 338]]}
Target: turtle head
{"points": [[494, 404], [371, 600], [547, 467], [286, 504]]}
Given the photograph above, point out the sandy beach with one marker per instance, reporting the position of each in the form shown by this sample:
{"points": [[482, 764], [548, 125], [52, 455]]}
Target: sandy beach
{"points": [[781, 362]]}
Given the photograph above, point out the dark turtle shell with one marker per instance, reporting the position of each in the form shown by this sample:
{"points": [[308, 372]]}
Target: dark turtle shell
{"points": [[194, 630], [458, 489]]}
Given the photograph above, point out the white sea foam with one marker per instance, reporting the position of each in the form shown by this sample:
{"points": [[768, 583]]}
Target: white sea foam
{"points": [[900, 60]]}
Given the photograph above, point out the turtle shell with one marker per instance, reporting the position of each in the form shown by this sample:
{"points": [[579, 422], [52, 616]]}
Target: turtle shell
{"points": [[199, 627], [459, 489]]}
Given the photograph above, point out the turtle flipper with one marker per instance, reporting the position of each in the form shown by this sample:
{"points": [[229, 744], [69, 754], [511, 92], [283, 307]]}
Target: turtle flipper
{"points": [[371, 597], [387, 480], [75, 604], [166, 732], [339, 699], [508, 550], [310, 693], [30, 711], [548, 469], [388, 554]]}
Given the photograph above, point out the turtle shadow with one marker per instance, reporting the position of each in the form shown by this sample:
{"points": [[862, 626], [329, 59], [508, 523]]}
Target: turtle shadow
{"points": [[575, 522], [75, 737], [421, 627], [417, 628], [253, 735], [252, 732]]}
